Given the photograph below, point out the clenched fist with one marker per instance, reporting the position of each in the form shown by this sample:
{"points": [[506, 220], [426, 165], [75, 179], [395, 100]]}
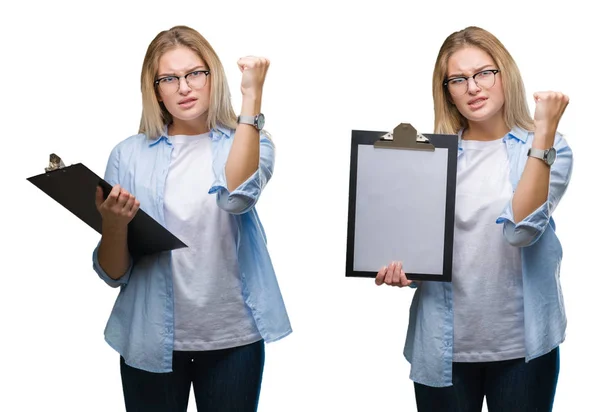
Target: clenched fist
{"points": [[254, 70], [549, 108]]}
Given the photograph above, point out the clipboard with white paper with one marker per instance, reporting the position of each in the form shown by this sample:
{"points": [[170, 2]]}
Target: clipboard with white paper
{"points": [[401, 203]]}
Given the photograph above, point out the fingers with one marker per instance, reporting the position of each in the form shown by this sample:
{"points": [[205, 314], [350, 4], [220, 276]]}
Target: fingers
{"points": [[112, 197], [122, 200], [119, 200], [389, 277], [253, 62], [380, 276], [129, 203], [403, 280], [551, 96], [396, 274], [134, 209], [392, 275]]}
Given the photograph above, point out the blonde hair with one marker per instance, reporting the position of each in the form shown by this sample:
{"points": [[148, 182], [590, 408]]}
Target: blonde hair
{"points": [[154, 115], [448, 119]]}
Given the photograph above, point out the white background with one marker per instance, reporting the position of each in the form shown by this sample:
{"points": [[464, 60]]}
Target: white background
{"points": [[70, 85]]}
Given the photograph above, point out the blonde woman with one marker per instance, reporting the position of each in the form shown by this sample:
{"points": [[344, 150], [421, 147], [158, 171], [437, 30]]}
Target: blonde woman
{"points": [[493, 332], [200, 315]]}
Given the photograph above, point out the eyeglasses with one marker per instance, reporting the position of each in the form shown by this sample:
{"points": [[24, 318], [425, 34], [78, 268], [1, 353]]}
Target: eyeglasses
{"points": [[457, 86], [170, 84]]}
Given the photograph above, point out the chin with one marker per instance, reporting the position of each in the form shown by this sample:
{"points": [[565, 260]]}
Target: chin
{"points": [[190, 115], [480, 115]]}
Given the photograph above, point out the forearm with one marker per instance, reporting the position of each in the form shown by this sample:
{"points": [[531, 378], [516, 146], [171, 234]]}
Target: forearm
{"points": [[532, 190], [113, 253], [244, 155]]}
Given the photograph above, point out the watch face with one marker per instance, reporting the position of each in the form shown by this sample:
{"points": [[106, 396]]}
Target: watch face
{"points": [[260, 121], [551, 156]]}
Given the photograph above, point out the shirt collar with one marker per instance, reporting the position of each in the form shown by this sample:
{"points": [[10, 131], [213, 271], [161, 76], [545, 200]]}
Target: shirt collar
{"points": [[516, 133], [216, 133], [519, 134]]}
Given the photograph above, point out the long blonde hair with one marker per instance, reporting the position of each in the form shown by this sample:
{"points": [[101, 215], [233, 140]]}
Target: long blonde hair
{"points": [[448, 119], [154, 115]]}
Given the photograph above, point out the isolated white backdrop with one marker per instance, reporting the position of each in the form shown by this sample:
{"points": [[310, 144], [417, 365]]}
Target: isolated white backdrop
{"points": [[70, 85]]}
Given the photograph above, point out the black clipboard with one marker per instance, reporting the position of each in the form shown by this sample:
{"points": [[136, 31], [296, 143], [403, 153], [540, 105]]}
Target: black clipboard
{"points": [[379, 213], [74, 187]]}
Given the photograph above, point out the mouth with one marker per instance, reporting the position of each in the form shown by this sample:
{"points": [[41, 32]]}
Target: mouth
{"points": [[187, 101], [477, 101]]}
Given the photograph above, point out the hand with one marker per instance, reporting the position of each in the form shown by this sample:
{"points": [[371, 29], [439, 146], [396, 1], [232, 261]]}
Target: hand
{"points": [[392, 275], [254, 70], [549, 108], [119, 208]]}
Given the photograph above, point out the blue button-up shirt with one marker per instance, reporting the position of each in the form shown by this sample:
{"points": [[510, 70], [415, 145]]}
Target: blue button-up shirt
{"points": [[140, 326], [429, 340]]}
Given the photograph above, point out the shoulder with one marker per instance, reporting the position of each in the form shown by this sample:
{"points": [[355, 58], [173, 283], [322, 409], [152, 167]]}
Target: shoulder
{"points": [[131, 143], [526, 136]]}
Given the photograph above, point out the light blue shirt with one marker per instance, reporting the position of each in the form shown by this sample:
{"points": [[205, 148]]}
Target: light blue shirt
{"points": [[140, 326], [429, 339]]}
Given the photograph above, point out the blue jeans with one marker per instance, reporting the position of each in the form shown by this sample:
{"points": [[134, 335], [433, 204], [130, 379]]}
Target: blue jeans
{"points": [[508, 386], [224, 380]]}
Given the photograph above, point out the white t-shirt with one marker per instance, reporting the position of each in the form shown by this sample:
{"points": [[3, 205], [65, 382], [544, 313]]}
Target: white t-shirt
{"points": [[487, 283], [210, 312]]}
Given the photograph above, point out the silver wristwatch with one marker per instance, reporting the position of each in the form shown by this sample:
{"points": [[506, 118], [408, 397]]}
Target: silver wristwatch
{"points": [[257, 121], [548, 156]]}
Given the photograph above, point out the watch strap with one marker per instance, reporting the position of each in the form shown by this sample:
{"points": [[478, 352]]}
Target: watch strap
{"points": [[247, 120], [537, 153]]}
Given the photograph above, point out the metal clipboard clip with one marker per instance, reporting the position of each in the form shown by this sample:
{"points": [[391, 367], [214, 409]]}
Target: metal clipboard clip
{"points": [[55, 163], [404, 136]]}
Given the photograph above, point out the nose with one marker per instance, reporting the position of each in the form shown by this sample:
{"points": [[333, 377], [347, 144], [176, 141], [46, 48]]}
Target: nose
{"points": [[184, 88], [472, 86]]}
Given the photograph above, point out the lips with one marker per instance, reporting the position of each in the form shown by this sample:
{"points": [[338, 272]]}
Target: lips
{"points": [[188, 100], [476, 101]]}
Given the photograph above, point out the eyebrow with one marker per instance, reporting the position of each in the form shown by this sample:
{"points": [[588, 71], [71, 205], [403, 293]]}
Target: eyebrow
{"points": [[476, 71], [187, 71]]}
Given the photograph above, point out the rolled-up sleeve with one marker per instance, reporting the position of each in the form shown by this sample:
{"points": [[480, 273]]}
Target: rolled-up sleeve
{"points": [[528, 231], [245, 196], [111, 175]]}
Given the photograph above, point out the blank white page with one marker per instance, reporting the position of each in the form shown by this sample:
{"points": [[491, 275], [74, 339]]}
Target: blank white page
{"points": [[400, 209]]}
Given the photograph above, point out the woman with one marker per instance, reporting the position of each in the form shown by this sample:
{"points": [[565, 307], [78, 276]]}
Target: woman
{"points": [[494, 331], [198, 315]]}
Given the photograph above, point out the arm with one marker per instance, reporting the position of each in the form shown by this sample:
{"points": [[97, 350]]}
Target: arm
{"points": [[533, 187], [540, 187], [113, 252], [245, 196], [111, 258], [249, 164], [243, 159]]}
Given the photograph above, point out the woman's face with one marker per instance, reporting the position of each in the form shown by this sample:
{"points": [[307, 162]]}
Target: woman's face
{"points": [[479, 99], [186, 101]]}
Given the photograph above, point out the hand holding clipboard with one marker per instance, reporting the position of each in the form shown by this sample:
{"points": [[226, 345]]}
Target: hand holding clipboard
{"points": [[401, 204], [75, 187]]}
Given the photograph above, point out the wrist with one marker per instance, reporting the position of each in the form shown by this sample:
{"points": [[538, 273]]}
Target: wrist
{"points": [[543, 138], [251, 104], [111, 228]]}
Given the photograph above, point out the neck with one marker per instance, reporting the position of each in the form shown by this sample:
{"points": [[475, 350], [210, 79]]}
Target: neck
{"points": [[490, 130], [188, 128]]}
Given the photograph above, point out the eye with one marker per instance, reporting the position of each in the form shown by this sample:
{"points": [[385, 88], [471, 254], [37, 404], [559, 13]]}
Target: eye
{"points": [[456, 81], [196, 73], [169, 79], [486, 73]]}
